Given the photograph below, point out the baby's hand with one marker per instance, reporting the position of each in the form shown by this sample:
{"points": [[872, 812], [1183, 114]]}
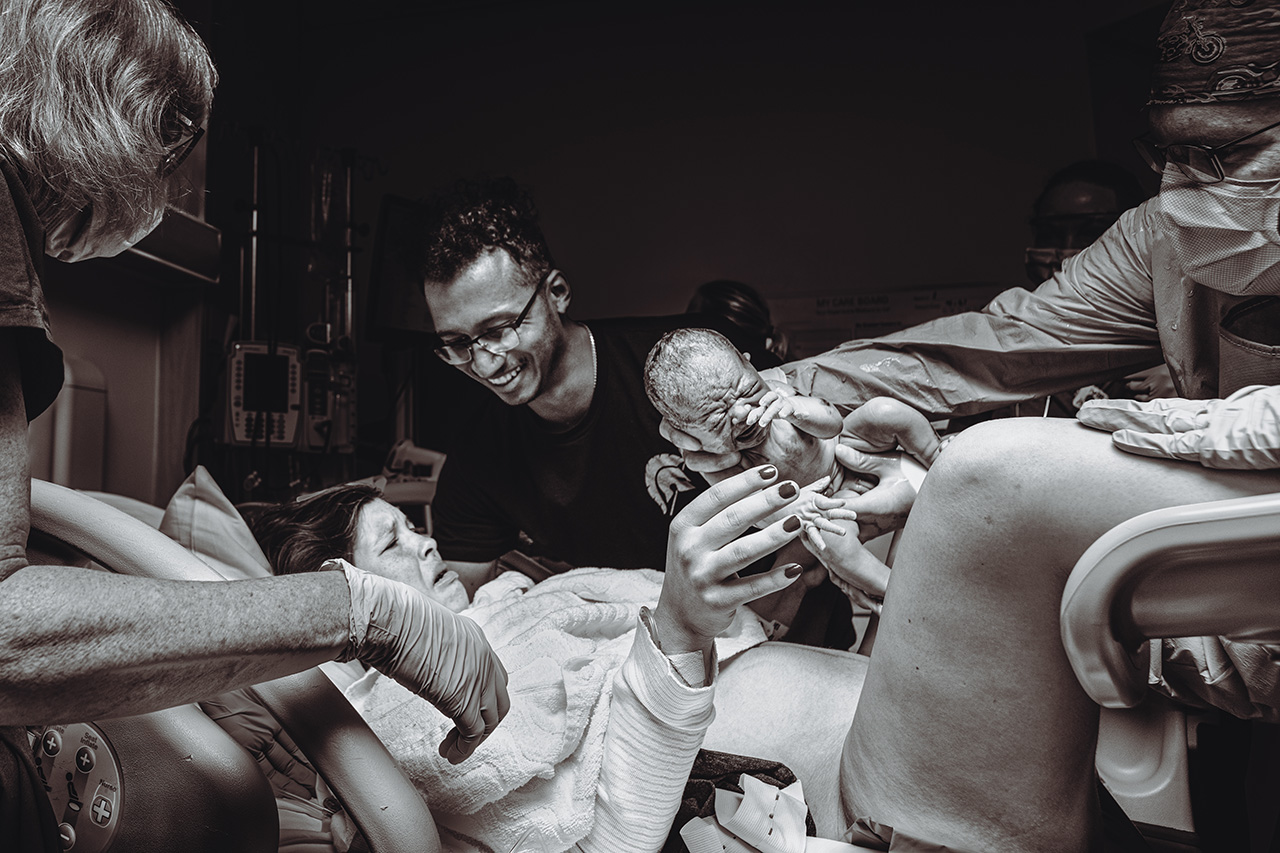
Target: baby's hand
{"points": [[772, 405], [858, 573], [819, 513], [810, 414]]}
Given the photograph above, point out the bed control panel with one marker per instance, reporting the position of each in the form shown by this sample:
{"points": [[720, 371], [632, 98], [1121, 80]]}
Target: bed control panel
{"points": [[82, 780]]}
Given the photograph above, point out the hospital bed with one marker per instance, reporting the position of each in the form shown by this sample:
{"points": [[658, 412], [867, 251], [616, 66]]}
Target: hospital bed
{"points": [[226, 803], [177, 781], [1205, 569]]}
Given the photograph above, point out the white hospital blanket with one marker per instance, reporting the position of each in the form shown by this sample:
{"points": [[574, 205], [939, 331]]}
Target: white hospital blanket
{"points": [[562, 641]]}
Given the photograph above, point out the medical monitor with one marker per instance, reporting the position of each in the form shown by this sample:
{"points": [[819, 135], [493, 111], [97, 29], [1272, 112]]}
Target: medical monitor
{"points": [[266, 382]]}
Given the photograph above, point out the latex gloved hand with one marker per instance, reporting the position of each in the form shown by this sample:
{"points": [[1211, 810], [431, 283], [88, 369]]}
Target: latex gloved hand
{"points": [[243, 716], [441, 656], [878, 490], [1242, 431], [1151, 384], [887, 478]]}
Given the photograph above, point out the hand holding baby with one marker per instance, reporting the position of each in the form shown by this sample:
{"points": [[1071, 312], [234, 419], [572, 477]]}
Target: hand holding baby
{"points": [[707, 547], [868, 450]]}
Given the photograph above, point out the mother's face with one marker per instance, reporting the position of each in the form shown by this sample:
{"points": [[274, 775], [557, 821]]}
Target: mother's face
{"points": [[387, 545]]}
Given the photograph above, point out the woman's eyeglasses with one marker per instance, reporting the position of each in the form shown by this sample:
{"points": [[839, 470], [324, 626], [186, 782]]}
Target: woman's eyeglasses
{"points": [[190, 135]]}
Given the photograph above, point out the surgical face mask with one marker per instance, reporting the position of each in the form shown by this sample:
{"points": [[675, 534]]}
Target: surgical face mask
{"points": [[1041, 262], [1225, 234], [81, 235]]}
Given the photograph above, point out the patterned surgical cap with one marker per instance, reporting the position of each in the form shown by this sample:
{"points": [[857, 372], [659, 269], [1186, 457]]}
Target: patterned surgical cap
{"points": [[1217, 50]]}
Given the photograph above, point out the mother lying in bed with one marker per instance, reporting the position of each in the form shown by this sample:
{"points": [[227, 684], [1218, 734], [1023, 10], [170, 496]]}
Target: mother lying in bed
{"points": [[607, 711]]}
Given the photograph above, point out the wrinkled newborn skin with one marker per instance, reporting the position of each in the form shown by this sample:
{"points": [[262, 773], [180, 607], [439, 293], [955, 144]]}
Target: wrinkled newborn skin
{"points": [[731, 387]]}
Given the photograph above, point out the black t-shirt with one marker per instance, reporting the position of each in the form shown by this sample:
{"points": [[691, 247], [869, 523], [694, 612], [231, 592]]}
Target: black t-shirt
{"points": [[22, 308], [599, 494]]}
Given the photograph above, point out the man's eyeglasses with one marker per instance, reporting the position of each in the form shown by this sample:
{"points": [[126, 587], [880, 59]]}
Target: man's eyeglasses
{"points": [[1198, 162], [190, 135], [498, 340]]}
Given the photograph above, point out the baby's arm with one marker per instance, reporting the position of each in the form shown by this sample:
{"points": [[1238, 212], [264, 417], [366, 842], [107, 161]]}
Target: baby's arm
{"points": [[812, 415]]}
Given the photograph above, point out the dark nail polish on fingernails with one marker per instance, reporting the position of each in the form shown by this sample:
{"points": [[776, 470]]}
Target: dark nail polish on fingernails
{"points": [[768, 472], [787, 490], [791, 570], [792, 524]]}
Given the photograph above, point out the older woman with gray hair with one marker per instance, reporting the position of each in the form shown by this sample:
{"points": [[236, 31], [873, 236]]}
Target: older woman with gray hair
{"points": [[99, 103]]}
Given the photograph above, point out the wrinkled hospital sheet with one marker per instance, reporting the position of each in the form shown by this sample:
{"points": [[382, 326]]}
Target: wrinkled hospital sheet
{"points": [[562, 641]]}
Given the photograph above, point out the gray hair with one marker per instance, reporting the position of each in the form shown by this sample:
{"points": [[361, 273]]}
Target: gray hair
{"points": [[90, 97]]}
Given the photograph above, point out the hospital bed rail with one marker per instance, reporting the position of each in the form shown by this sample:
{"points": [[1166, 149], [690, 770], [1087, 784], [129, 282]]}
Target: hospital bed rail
{"points": [[1206, 569], [357, 767]]}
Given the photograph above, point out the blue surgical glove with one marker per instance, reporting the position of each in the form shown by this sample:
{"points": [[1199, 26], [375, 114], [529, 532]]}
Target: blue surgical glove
{"points": [[1241, 432], [441, 656]]}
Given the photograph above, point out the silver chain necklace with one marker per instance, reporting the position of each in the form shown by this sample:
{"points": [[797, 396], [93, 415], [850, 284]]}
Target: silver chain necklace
{"points": [[594, 367]]}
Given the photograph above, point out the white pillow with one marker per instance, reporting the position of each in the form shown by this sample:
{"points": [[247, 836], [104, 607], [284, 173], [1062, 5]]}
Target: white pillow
{"points": [[201, 519]]}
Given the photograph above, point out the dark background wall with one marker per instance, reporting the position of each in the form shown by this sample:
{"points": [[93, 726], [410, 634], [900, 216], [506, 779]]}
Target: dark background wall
{"points": [[823, 146], [803, 147]]}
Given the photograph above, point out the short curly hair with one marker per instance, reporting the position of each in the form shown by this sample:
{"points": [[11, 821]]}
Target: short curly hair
{"points": [[479, 216]]}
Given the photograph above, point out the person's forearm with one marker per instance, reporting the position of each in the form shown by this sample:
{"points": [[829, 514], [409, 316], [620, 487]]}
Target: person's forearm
{"points": [[941, 371], [15, 474], [78, 644], [1078, 327], [656, 726]]}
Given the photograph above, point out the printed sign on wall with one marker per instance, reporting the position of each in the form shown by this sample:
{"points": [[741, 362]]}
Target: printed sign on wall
{"points": [[818, 322]]}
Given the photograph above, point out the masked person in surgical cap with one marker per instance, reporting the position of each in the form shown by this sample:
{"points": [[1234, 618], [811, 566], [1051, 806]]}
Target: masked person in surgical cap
{"points": [[1078, 204], [972, 731]]}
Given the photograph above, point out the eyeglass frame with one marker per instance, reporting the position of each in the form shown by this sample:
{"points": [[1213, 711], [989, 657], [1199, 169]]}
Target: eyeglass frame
{"points": [[181, 150], [1151, 152], [468, 345]]}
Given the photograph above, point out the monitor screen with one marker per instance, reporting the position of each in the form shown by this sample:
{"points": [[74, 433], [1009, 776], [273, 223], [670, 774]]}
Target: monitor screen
{"points": [[266, 382]]}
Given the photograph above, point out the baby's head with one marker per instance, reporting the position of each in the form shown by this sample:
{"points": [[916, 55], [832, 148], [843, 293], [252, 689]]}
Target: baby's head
{"points": [[702, 385]]}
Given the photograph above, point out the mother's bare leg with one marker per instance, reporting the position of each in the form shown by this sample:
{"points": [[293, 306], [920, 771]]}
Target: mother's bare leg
{"points": [[791, 703], [972, 730]]}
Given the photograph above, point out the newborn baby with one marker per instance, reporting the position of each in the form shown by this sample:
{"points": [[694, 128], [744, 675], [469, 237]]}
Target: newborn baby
{"points": [[705, 388], [701, 384]]}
